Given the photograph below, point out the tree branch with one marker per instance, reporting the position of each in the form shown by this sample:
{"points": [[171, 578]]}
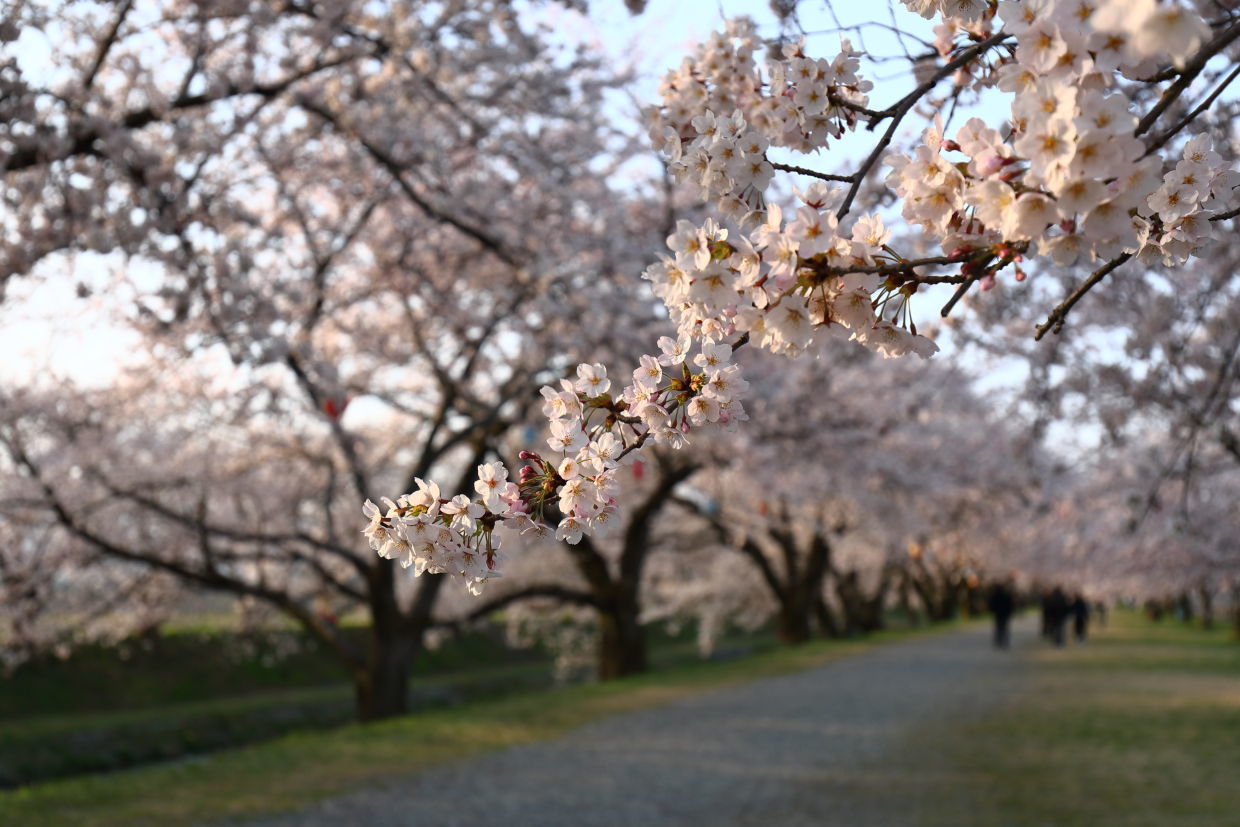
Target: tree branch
{"points": [[1056, 318]]}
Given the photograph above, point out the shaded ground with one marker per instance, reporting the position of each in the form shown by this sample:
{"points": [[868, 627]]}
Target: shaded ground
{"points": [[832, 745]]}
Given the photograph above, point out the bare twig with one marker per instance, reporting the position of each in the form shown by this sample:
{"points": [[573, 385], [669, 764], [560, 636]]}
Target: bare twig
{"points": [[1056, 318], [1162, 139], [813, 173], [1187, 75]]}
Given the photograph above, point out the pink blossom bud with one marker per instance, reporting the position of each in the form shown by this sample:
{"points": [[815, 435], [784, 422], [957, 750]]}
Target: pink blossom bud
{"points": [[530, 455], [949, 146], [991, 165], [987, 281], [1020, 274]]}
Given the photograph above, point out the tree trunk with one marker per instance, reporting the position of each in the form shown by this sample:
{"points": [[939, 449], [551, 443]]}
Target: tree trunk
{"points": [[827, 623], [1207, 606], [794, 621], [381, 688], [622, 645], [911, 615]]}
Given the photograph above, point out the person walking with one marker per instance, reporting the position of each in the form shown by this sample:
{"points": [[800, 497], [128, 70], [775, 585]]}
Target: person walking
{"points": [[1001, 604], [1045, 604], [1057, 615], [1080, 618]]}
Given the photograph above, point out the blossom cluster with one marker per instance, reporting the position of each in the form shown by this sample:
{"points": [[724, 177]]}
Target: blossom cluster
{"points": [[572, 486], [784, 284], [805, 102], [1072, 182], [453, 535], [787, 285]]}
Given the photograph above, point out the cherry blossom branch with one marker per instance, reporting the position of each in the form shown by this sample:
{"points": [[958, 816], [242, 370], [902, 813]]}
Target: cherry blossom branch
{"points": [[209, 575], [1056, 318], [397, 171], [901, 108], [83, 139], [1162, 139], [555, 591], [1190, 72]]}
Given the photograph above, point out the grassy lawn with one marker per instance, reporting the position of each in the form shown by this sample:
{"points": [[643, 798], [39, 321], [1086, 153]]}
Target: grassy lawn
{"points": [[189, 692], [1140, 726], [299, 769]]}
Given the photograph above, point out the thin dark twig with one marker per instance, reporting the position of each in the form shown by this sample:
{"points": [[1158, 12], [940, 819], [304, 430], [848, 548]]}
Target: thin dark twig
{"points": [[957, 296], [813, 173], [1191, 116], [1056, 319], [1187, 75], [106, 46]]}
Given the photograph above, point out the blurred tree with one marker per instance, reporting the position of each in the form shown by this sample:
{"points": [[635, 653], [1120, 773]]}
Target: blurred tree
{"points": [[368, 224]]}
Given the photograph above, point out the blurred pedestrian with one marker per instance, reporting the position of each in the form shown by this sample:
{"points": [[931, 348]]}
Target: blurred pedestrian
{"points": [[1057, 615], [1046, 612], [1001, 604], [1080, 617]]}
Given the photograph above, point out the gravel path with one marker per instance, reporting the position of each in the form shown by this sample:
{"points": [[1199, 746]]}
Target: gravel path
{"points": [[845, 744]]}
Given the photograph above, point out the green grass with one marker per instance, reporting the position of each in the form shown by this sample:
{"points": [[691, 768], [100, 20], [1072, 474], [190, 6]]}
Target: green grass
{"points": [[298, 769], [189, 692], [1140, 726], [169, 716], [185, 666]]}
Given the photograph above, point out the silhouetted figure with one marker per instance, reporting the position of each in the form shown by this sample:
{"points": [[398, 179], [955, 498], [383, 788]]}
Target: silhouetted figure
{"points": [[1044, 602], [1056, 608], [1001, 604], [1080, 618], [1100, 612]]}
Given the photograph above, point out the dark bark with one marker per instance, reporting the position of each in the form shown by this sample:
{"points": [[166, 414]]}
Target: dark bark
{"points": [[794, 623], [863, 613], [622, 643], [381, 689], [1207, 606], [622, 640], [828, 625], [940, 591]]}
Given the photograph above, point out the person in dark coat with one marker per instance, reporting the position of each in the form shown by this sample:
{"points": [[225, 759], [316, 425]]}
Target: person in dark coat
{"points": [[1045, 602], [1057, 615], [1001, 604], [1080, 618]]}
